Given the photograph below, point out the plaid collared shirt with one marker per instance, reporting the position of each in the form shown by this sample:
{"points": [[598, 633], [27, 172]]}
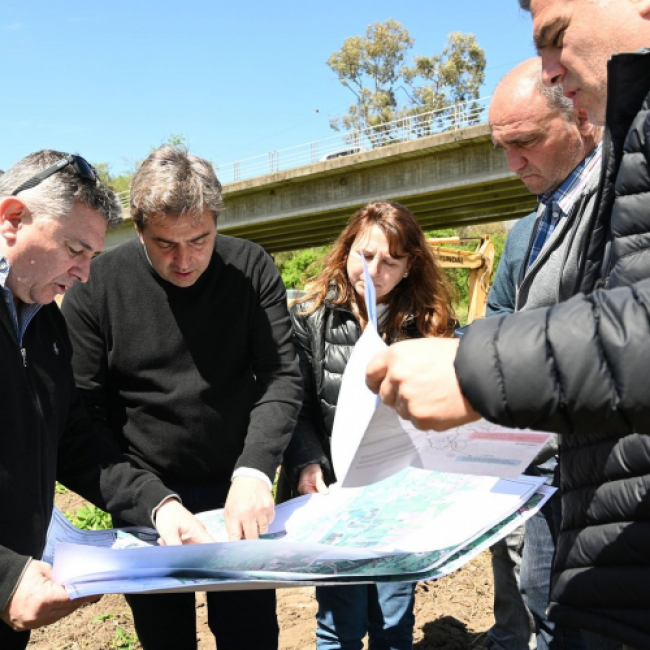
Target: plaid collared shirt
{"points": [[558, 203]]}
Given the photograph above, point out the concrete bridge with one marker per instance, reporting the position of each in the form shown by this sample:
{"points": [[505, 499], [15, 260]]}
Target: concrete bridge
{"points": [[450, 179]]}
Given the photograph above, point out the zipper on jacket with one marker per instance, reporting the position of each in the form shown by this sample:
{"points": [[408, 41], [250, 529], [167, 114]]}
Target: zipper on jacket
{"points": [[597, 214], [38, 406]]}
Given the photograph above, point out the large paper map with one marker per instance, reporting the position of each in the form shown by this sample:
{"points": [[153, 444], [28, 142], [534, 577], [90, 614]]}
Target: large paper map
{"points": [[409, 524]]}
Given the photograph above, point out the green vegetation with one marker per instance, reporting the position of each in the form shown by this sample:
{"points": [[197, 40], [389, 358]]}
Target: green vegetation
{"points": [[90, 517], [297, 267], [385, 88], [124, 640], [118, 183]]}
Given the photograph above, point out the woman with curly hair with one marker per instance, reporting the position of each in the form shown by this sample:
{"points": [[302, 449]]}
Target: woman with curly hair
{"points": [[413, 301]]}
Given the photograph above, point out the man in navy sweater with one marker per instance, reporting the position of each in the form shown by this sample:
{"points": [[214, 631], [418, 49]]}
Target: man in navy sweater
{"points": [[183, 353]]}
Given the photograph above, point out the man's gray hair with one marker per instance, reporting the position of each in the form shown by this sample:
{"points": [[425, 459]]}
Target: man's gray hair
{"points": [[172, 181], [554, 96], [57, 194], [555, 99]]}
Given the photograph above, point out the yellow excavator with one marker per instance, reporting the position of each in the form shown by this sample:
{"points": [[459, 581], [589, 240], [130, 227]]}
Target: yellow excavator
{"points": [[479, 262]]}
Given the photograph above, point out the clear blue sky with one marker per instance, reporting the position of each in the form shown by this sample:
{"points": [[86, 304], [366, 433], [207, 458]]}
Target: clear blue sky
{"points": [[111, 80]]}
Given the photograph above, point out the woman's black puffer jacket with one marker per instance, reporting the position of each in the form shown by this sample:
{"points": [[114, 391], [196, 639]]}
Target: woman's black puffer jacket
{"points": [[324, 341]]}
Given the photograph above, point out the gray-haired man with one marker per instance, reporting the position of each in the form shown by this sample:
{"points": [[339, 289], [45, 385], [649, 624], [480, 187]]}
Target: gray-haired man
{"points": [[53, 216], [552, 148]]}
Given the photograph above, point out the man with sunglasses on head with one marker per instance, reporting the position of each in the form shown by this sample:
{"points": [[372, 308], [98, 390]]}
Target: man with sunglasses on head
{"points": [[53, 217], [183, 352]]}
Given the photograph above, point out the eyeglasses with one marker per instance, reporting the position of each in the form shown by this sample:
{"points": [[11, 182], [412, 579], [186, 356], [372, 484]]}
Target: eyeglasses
{"points": [[85, 170]]}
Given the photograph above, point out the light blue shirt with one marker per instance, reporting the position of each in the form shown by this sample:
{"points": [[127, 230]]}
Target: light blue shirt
{"points": [[27, 310]]}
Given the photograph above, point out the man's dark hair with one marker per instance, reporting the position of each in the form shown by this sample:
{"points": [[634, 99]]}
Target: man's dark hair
{"points": [[173, 181]]}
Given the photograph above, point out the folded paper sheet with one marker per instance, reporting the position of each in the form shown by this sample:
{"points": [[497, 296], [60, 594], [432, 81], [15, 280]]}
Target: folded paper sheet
{"points": [[371, 442]]}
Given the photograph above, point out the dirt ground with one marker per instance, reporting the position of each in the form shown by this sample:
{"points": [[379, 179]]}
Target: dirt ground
{"points": [[451, 614]]}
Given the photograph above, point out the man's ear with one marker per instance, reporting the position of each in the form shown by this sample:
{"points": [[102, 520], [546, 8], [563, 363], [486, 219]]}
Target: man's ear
{"points": [[13, 216]]}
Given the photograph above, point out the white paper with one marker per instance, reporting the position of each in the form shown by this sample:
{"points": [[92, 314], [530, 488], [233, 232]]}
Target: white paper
{"points": [[61, 530], [228, 583], [371, 442]]}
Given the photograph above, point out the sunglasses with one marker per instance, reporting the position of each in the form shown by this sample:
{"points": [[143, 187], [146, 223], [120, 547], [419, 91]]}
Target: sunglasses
{"points": [[85, 170]]}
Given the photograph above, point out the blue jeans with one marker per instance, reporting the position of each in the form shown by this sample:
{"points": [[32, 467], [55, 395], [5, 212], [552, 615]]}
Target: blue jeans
{"points": [[168, 621], [521, 621], [536, 566], [514, 627], [384, 611]]}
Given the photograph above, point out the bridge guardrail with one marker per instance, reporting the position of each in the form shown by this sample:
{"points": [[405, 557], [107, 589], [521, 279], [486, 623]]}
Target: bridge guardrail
{"points": [[412, 127], [457, 116]]}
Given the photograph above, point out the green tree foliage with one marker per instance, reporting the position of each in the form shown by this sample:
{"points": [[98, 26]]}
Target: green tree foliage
{"points": [[373, 68], [176, 140], [453, 76], [117, 182], [298, 267], [370, 66]]}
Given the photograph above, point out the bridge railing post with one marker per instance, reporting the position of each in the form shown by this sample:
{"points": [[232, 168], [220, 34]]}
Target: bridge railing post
{"points": [[273, 161]]}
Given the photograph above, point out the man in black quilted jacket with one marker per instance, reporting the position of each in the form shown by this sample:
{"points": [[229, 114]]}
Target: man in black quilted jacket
{"points": [[580, 368]]}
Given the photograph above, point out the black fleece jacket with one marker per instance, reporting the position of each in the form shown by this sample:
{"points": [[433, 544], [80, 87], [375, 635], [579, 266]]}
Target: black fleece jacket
{"points": [[47, 435], [193, 381]]}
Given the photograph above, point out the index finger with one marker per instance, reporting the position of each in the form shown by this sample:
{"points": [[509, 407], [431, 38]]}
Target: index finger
{"points": [[376, 371], [234, 529], [251, 528]]}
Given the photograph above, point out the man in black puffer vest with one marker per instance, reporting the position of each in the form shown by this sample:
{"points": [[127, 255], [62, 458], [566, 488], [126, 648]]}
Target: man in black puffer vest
{"points": [[581, 368]]}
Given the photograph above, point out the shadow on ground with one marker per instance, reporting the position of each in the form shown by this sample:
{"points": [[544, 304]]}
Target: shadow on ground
{"points": [[448, 633]]}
